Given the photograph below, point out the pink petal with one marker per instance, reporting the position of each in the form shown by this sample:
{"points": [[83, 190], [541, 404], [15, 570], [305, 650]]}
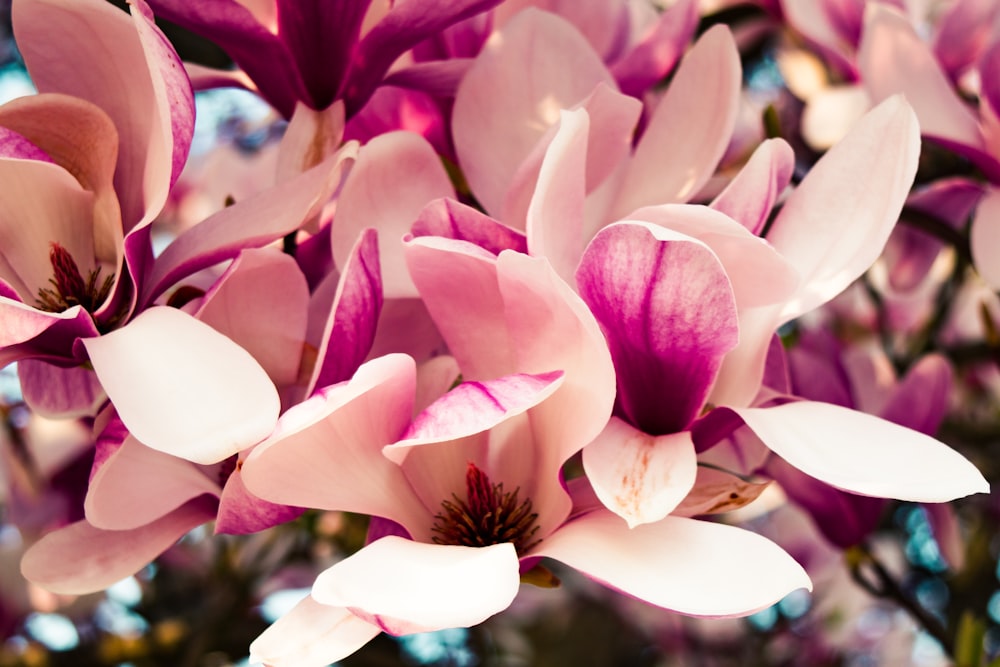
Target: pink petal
{"points": [[326, 452], [688, 566], [984, 237], [695, 118], [555, 215], [835, 224], [242, 513], [658, 50], [137, 485], [641, 478], [718, 491], [751, 194], [453, 220], [260, 302], [404, 586], [81, 559], [894, 59], [864, 454], [404, 164], [535, 66], [183, 388], [311, 137], [922, 399], [353, 317], [312, 635], [253, 222], [961, 32]]}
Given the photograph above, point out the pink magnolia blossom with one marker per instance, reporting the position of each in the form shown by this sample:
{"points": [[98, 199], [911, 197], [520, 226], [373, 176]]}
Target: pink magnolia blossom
{"points": [[538, 385]]}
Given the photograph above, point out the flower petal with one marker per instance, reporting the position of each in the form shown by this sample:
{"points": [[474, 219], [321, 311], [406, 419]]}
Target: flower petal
{"points": [[405, 586], [688, 566], [80, 559], [751, 194], [864, 454], [454, 220], [312, 635], [58, 392], [641, 478], [183, 388], [984, 236], [835, 224]]}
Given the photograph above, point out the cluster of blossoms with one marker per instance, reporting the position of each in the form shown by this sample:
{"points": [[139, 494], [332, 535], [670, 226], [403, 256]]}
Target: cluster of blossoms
{"points": [[526, 284]]}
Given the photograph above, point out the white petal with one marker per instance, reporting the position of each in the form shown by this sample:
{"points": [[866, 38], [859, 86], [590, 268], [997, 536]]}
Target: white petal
{"points": [[183, 388], [864, 454], [311, 635]]}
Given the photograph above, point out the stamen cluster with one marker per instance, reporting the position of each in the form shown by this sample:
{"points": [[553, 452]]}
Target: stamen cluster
{"points": [[488, 515], [69, 287]]}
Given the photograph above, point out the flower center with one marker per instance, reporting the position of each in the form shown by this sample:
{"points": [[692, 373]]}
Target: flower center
{"points": [[488, 515], [69, 287]]}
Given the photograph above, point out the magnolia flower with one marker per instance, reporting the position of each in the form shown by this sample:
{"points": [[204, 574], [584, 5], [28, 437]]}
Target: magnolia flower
{"points": [[468, 496]]}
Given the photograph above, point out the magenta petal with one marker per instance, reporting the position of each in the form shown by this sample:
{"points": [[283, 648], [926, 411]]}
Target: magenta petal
{"points": [[668, 312], [14, 145], [658, 50], [961, 31], [103, 557], [183, 388], [242, 513], [454, 220], [692, 567], [404, 586], [350, 329], [312, 635]]}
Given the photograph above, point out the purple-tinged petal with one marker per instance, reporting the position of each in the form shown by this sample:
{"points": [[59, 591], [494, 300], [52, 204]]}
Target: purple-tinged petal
{"points": [[454, 220], [693, 567], [658, 50], [835, 223], [242, 513], [984, 237], [641, 478], [391, 108], [605, 25], [183, 388], [260, 302], [14, 145], [458, 284], [253, 222], [474, 407], [404, 586], [894, 59], [326, 452], [989, 101], [350, 329], [31, 333], [921, 400], [439, 78], [844, 518], [404, 26], [256, 49], [751, 194], [82, 559], [312, 635], [536, 66], [555, 216], [695, 118], [961, 32], [668, 312], [864, 454], [136, 485], [811, 19], [54, 391], [405, 165], [816, 372]]}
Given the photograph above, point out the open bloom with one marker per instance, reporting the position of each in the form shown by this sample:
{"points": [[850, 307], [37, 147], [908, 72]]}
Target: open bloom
{"points": [[469, 494]]}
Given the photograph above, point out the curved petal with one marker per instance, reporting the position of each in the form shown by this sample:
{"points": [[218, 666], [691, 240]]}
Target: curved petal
{"points": [[688, 566], [667, 309], [984, 237], [535, 66], [326, 452], [695, 119], [751, 194], [835, 224], [54, 391], [260, 302], [641, 478], [454, 220], [81, 559], [136, 485], [864, 454], [658, 50], [312, 635], [183, 388], [242, 513], [404, 586], [406, 165]]}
